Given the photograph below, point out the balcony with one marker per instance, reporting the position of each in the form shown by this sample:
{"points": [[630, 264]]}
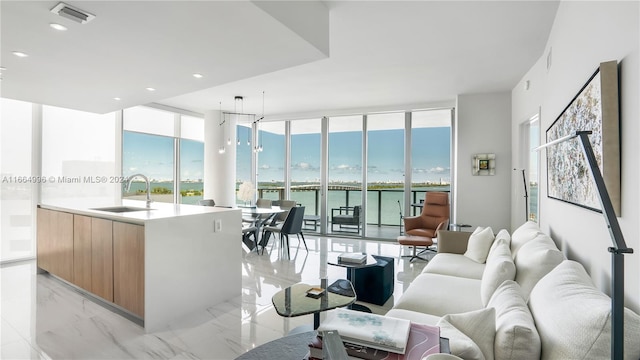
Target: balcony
{"points": [[383, 212]]}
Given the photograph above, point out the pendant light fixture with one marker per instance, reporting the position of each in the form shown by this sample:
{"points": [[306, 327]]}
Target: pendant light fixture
{"points": [[238, 109], [258, 147]]}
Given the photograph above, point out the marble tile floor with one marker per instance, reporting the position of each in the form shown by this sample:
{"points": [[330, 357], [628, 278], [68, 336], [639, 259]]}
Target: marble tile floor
{"points": [[43, 318]]}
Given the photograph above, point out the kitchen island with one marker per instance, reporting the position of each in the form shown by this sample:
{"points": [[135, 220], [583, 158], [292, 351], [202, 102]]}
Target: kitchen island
{"points": [[155, 264]]}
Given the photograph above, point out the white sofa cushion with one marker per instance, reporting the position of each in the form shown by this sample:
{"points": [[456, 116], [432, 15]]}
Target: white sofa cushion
{"points": [[479, 244], [414, 316], [500, 267], [516, 334], [534, 260], [503, 234], [574, 318], [525, 233], [439, 295], [471, 334], [454, 265]]}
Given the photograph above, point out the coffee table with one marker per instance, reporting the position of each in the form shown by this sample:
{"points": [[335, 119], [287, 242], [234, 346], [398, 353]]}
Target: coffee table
{"points": [[296, 347], [351, 267], [293, 301]]}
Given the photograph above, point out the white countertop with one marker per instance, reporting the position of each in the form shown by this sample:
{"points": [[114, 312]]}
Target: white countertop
{"points": [[157, 211]]}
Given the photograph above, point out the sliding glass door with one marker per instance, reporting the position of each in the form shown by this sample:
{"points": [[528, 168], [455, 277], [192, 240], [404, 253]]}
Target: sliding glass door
{"points": [[385, 174], [305, 168], [344, 199]]}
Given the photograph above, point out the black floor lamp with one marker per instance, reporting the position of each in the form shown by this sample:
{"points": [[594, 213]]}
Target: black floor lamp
{"points": [[618, 249]]}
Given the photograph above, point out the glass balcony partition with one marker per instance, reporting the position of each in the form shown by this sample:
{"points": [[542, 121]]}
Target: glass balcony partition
{"points": [[430, 154], [305, 168], [385, 168], [271, 160], [344, 200]]}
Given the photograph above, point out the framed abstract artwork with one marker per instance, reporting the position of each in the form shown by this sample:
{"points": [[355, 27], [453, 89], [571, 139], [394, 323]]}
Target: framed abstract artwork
{"points": [[594, 108]]}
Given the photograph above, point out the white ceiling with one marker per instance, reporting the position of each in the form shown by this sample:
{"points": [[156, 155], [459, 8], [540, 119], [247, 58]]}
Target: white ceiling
{"points": [[383, 54]]}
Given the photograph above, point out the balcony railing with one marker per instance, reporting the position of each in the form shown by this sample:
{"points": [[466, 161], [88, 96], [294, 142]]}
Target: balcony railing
{"points": [[382, 204]]}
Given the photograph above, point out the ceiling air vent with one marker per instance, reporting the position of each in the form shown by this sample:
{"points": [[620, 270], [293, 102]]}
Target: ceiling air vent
{"points": [[72, 13]]}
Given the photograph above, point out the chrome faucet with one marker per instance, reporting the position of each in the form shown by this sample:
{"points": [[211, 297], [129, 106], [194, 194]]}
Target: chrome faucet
{"points": [[148, 189]]}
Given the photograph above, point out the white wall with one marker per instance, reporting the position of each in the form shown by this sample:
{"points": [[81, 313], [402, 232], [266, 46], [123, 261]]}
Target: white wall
{"points": [[483, 126], [583, 35]]}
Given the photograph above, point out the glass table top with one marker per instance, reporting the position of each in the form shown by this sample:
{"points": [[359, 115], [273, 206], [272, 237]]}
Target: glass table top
{"points": [[333, 260], [293, 301]]}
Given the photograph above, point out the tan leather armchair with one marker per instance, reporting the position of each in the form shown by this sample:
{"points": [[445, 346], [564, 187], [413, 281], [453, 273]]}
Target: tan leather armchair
{"points": [[434, 216]]}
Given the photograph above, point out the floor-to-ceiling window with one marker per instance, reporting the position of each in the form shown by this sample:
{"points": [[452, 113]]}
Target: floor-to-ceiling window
{"points": [[385, 168], [345, 170], [161, 144], [191, 159], [18, 182], [271, 160], [305, 165], [534, 142], [243, 156], [430, 153], [425, 135], [148, 149]]}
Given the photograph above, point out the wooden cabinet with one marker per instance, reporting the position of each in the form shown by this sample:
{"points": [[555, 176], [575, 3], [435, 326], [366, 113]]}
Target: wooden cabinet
{"points": [[82, 251], [102, 258], [128, 267], [93, 255], [55, 243]]}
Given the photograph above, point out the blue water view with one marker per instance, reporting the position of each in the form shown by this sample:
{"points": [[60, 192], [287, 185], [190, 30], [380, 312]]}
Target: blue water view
{"points": [[382, 204]]}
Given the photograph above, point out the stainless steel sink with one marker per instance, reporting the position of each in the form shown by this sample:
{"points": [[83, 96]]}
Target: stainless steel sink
{"points": [[122, 209]]}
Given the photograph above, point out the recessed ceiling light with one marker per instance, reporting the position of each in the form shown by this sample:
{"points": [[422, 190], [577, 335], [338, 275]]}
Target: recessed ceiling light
{"points": [[19, 54], [117, 98], [58, 27], [198, 76], [151, 89]]}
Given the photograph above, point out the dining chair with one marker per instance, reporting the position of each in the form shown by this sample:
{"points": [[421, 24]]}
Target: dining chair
{"points": [[284, 205], [292, 225]]}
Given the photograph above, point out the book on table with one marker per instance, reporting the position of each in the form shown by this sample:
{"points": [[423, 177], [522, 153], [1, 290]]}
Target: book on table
{"points": [[354, 258], [375, 331], [423, 340]]}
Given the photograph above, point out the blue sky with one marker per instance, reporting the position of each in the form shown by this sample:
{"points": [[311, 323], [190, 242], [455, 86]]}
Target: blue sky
{"points": [[152, 155], [430, 156]]}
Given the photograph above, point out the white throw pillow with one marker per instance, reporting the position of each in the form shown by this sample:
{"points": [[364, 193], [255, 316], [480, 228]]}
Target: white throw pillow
{"points": [[470, 334], [479, 245], [500, 267], [516, 334], [536, 259], [574, 318], [525, 233]]}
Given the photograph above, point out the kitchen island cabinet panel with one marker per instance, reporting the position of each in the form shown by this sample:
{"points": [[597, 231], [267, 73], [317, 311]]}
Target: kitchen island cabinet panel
{"points": [[82, 251], [128, 267], [55, 243], [102, 258]]}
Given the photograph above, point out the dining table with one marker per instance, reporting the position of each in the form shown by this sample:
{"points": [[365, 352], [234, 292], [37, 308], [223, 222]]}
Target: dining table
{"points": [[259, 217]]}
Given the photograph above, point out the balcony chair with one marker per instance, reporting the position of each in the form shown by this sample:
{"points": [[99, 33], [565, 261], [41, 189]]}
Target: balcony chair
{"points": [[291, 225], [346, 216], [422, 229], [207, 202]]}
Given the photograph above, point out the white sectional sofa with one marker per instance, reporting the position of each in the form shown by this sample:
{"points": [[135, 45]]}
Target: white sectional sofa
{"points": [[525, 301]]}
